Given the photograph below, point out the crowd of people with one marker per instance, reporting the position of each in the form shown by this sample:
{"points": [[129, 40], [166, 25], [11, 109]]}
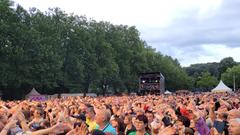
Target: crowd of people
{"points": [[177, 114]]}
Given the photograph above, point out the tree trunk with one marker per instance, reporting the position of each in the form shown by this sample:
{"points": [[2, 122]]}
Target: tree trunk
{"points": [[85, 91]]}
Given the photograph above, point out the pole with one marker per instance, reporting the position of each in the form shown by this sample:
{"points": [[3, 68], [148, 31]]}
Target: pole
{"points": [[234, 82]]}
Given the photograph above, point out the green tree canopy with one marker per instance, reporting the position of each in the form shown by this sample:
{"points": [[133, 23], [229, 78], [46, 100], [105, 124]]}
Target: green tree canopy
{"points": [[226, 63], [231, 74], [206, 81], [57, 52]]}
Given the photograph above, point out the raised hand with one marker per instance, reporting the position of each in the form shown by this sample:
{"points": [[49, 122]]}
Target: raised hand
{"points": [[11, 124], [212, 105], [20, 116], [73, 131], [60, 128], [83, 129], [197, 115]]}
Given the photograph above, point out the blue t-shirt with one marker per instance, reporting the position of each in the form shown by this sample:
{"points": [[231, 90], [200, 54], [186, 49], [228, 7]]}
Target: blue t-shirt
{"points": [[109, 129]]}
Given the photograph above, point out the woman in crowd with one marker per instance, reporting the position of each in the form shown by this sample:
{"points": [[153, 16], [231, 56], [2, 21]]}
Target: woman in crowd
{"points": [[118, 124], [129, 124]]}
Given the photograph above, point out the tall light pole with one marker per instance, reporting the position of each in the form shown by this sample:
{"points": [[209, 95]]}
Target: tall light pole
{"points": [[234, 82]]}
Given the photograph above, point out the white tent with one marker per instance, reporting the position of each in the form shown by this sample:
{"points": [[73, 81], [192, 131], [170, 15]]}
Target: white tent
{"points": [[221, 87], [167, 92], [34, 95]]}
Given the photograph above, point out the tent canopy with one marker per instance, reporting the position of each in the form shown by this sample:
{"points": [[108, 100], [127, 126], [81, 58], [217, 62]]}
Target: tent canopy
{"points": [[167, 92], [33, 92], [221, 87], [34, 95]]}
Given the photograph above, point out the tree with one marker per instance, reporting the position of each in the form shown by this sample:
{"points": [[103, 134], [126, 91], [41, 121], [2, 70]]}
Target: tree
{"points": [[226, 63], [206, 81], [195, 70], [54, 51], [230, 74], [13, 41]]}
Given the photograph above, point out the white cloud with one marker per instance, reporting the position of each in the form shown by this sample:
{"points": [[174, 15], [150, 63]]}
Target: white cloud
{"points": [[193, 31], [142, 13], [209, 53]]}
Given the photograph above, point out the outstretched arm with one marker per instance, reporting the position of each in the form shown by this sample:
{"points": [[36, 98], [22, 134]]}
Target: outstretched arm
{"points": [[211, 112], [9, 125], [56, 129]]}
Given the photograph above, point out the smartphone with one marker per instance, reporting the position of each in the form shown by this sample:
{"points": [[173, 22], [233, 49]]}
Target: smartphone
{"points": [[166, 120], [77, 124]]}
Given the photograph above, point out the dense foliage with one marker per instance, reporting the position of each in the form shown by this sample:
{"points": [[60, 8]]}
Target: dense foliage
{"points": [[56, 52], [231, 76], [205, 75]]}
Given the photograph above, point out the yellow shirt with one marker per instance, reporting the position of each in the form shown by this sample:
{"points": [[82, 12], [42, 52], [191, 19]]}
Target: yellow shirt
{"points": [[92, 125]]}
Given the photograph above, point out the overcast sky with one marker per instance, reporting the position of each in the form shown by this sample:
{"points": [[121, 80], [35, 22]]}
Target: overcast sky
{"points": [[193, 31]]}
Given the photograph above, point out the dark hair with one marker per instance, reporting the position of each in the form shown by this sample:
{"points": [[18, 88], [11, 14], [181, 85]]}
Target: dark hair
{"points": [[225, 115], [149, 111], [39, 105], [142, 118], [77, 124], [177, 111], [214, 100], [189, 131], [121, 127], [50, 110], [184, 120], [217, 105]]}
